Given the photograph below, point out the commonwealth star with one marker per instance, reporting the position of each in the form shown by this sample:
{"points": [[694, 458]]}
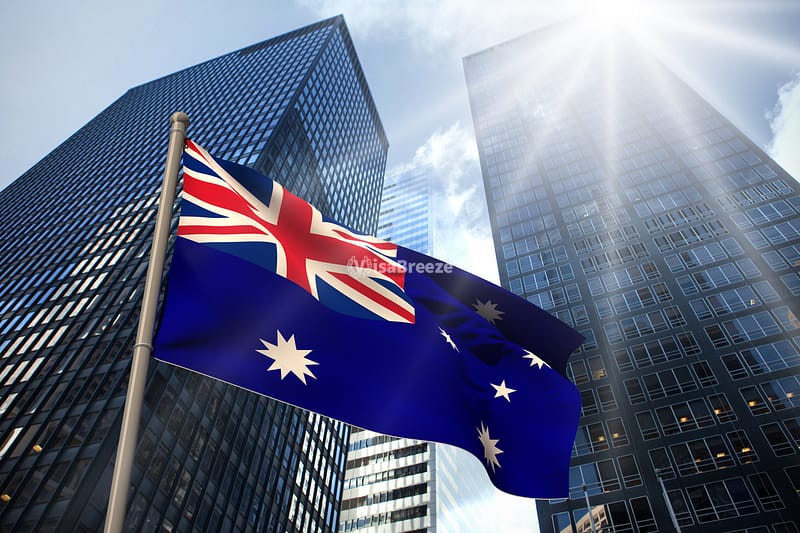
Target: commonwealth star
{"points": [[488, 310], [490, 449], [535, 359], [448, 339], [287, 358]]}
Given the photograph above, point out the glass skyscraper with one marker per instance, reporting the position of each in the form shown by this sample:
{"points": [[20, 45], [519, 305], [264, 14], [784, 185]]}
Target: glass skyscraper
{"points": [[406, 485], [406, 214], [624, 204], [75, 235]]}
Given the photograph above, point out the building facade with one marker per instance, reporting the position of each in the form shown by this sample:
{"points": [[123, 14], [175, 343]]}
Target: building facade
{"points": [[406, 485], [406, 214], [624, 204], [75, 234]]}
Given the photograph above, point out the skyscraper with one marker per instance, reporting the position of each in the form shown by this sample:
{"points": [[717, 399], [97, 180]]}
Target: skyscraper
{"points": [[397, 484], [75, 235], [624, 204], [406, 214]]}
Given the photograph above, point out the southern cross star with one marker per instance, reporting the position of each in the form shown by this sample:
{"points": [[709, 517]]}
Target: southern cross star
{"points": [[448, 339], [535, 360], [490, 449], [488, 310], [502, 390], [287, 358]]}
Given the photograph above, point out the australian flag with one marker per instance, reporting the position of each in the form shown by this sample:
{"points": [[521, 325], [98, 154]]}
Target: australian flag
{"points": [[266, 293]]}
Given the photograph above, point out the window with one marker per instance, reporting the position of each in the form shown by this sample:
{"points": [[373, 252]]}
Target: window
{"points": [[700, 309], [786, 318], [704, 374], [629, 471], [598, 478], [596, 366], [733, 300], [645, 324], [775, 261], [684, 416], [716, 336], [578, 371], [722, 409], [688, 344], [720, 500], [778, 441], [674, 316], [687, 285], [771, 357], [754, 400], [590, 438], [634, 389], [643, 515], [792, 426], [741, 446], [792, 282], [765, 491], [588, 402], [589, 343], [636, 299], [562, 523], [793, 472], [580, 315], [669, 382], [623, 360], [612, 332], [647, 425], [661, 463], [702, 455], [655, 352], [607, 400], [617, 431], [680, 507], [782, 393], [674, 263], [734, 366]]}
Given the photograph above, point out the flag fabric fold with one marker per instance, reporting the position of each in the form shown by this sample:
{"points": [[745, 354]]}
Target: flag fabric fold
{"points": [[267, 294]]}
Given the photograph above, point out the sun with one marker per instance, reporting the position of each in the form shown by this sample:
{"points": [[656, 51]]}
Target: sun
{"points": [[610, 15]]}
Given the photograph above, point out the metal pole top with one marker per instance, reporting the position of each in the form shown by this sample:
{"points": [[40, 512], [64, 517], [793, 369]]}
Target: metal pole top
{"points": [[179, 117]]}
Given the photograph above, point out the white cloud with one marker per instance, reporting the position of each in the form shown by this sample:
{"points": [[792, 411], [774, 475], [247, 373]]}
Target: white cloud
{"points": [[442, 28], [785, 124], [516, 514], [448, 151], [461, 223]]}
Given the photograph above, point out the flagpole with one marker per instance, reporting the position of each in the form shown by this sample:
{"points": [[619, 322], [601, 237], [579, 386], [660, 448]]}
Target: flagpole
{"points": [[668, 502], [117, 501], [589, 507]]}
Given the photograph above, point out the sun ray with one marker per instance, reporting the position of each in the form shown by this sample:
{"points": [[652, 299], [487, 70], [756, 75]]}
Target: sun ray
{"points": [[761, 46]]}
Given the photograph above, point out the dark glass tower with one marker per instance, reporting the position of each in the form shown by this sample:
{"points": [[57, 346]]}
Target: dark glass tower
{"points": [[75, 235], [624, 204]]}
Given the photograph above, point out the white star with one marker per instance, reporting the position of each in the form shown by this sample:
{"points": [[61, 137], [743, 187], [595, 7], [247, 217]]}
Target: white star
{"points": [[490, 449], [287, 358], [448, 339], [488, 310], [535, 360], [502, 390]]}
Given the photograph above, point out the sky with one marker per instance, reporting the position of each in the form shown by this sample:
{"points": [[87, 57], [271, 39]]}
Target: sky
{"points": [[64, 62]]}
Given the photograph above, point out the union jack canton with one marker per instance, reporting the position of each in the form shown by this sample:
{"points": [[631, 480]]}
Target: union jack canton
{"points": [[349, 272]]}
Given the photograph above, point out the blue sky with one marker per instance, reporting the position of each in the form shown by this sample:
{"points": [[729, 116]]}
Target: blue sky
{"points": [[64, 62]]}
